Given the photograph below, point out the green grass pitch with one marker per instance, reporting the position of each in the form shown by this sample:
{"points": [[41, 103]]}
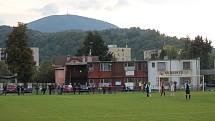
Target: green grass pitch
{"points": [[108, 107]]}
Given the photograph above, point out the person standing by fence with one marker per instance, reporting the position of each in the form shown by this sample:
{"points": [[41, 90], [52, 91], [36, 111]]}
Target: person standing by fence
{"points": [[37, 89], [5, 89], [50, 89], [44, 89], [22, 90], [18, 89]]}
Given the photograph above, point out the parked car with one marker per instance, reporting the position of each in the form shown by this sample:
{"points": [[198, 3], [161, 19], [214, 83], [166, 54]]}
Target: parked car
{"points": [[28, 90], [11, 88], [67, 88]]}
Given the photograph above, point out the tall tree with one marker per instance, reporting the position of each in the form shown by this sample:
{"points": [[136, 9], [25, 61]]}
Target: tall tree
{"points": [[185, 52], [19, 56], [4, 69], [45, 73], [201, 48], [170, 51], [94, 45]]}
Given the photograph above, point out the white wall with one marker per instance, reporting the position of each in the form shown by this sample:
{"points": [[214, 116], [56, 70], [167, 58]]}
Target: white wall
{"points": [[174, 65]]}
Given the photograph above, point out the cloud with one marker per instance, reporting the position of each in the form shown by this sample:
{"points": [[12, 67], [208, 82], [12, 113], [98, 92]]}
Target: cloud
{"points": [[119, 4], [48, 9], [154, 1], [84, 5]]}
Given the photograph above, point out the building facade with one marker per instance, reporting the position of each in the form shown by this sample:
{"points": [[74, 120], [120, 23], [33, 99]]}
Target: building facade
{"points": [[179, 71], [119, 53], [101, 73], [151, 54], [35, 51]]}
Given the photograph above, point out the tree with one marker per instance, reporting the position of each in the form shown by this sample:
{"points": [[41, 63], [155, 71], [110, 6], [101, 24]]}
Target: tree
{"points": [[45, 73], [4, 69], [170, 51], [19, 56], [185, 52], [201, 48], [94, 45]]}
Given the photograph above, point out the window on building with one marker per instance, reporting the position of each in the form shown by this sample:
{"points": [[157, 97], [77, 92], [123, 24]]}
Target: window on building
{"points": [[161, 66], [90, 66], [153, 65], [186, 65], [154, 56], [141, 66], [105, 82], [105, 67], [128, 64], [3, 55]]}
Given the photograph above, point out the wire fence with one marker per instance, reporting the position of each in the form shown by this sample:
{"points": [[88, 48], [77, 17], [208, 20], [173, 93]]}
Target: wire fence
{"points": [[52, 88]]}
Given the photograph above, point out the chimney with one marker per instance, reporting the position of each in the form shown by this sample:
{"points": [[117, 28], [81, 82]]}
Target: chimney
{"points": [[83, 59], [68, 58]]}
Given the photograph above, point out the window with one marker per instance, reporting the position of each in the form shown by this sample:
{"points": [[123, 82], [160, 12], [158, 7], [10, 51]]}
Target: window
{"points": [[154, 56], [186, 66], [161, 66], [90, 66], [153, 65], [105, 67], [141, 66], [128, 64]]}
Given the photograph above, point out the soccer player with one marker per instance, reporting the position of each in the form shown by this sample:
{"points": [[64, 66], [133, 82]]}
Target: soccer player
{"points": [[172, 89], [187, 90], [162, 89], [148, 89]]}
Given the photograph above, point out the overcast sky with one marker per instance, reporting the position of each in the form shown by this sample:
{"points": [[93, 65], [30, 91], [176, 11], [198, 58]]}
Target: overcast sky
{"points": [[179, 18]]}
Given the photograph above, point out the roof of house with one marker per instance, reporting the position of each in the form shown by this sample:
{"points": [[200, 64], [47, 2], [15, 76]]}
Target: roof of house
{"points": [[62, 60]]}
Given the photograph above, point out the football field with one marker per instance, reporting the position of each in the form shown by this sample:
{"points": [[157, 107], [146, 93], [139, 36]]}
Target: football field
{"points": [[108, 107]]}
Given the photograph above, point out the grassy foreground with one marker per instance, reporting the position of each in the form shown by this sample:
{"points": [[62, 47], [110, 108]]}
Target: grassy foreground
{"points": [[108, 107]]}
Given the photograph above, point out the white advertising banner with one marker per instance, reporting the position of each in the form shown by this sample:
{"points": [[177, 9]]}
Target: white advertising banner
{"points": [[129, 73]]}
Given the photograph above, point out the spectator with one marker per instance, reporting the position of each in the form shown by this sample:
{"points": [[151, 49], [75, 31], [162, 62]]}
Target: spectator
{"points": [[18, 89], [50, 89], [22, 90], [44, 89], [5, 89], [37, 89], [61, 90]]}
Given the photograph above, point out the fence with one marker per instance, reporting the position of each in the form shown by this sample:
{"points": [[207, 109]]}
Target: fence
{"points": [[52, 88]]}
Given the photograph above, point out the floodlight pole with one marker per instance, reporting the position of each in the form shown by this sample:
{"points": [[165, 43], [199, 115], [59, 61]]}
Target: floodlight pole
{"points": [[159, 83], [203, 81]]}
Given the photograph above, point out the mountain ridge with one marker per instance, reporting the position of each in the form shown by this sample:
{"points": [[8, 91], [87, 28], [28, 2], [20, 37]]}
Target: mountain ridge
{"points": [[59, 23]]}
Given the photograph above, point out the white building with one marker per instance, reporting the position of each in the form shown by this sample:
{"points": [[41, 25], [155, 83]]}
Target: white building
{"points": [[119, 53], [178, 71], [35, 51]]}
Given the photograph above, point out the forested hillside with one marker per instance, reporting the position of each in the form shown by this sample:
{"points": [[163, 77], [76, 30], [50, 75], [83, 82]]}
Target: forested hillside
{"points": [[58, 23], [67, 42]]}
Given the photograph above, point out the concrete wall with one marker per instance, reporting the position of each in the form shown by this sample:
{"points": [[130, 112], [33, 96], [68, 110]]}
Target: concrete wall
{"points": [[121, 54], [174, 66], [60, 76]]}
